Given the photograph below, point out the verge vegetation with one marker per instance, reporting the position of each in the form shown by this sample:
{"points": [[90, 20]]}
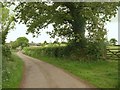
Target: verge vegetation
{"points": [[12, 70], [102, 74]]}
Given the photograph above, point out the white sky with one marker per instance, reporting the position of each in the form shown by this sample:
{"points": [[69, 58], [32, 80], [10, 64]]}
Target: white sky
{"points": [[20, 31]]}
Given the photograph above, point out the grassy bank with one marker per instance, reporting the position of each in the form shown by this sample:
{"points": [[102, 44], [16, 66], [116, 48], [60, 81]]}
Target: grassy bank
{"points": [[102, 74], [14, 69]]}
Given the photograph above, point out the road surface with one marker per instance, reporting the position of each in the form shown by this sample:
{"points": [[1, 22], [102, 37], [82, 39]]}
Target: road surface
{"points": [[39, 74]]}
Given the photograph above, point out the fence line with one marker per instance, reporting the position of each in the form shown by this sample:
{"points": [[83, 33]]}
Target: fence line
{"points": [[113, 53]]}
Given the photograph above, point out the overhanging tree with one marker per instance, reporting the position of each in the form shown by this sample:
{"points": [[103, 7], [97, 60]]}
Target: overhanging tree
{"points": [[6, 21], [69, 19]]}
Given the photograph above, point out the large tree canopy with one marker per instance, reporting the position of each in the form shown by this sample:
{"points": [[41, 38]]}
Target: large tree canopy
{"points": [[69, 19]]}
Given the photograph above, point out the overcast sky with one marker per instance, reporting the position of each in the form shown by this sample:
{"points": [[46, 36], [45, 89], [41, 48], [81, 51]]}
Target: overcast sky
{"points": [[20, 31]]}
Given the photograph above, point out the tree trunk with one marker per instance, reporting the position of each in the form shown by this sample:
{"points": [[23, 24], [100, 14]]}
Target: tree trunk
{"points": [[79, 29]]}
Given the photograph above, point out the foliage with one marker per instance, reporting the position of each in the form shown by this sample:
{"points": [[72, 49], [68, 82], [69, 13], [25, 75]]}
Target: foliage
{"points": [[11, 69], [72, 51], [6, 56], [45, 43], [102, 74], [70, 20], [96, 51], [12, 72], [113, 41], [49, 51], [6, 51], [7, 21], [13, 45], [20, 42], [11, 66]]}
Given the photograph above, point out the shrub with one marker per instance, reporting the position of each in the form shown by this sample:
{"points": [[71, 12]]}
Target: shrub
{"points": [[92, 51], [49, 51], [6, 51], [6, 57], [96, 50]]}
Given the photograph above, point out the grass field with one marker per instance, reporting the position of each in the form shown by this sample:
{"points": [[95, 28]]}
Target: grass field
{"points": [[15, 70], [102, 74]]}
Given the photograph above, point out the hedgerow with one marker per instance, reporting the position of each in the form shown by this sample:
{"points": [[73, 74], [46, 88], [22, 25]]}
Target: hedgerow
{"points": [[6, 57], [12, 67], [93, 51], [49, 51]]}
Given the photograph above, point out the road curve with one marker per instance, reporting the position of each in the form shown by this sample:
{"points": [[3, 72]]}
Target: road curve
{"points": [[39, 74]]}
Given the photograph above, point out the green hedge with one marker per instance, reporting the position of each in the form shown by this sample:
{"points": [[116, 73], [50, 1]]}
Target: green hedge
{"points": [[48, 51], [92, 51], [12, 69]]}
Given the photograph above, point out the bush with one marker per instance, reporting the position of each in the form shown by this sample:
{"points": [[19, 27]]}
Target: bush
{"points": [[91, 51], [6, 57], [12, 67], [96, 50], [49, 51], [6, 51]]}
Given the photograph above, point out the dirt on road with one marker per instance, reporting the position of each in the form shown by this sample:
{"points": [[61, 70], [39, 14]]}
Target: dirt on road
{"points": [[39, 74]]}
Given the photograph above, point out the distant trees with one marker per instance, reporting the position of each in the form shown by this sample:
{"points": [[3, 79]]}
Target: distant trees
{"points": [[45, 43], [56, 41], [13, 45], [113, 41], [20, 42]]}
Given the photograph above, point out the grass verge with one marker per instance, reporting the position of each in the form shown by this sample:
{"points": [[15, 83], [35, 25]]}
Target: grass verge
{"points": [[14, 72], [102, 74]]}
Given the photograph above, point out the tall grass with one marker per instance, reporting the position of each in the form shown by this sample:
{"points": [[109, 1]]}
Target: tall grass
{"points": [[13, 72]]}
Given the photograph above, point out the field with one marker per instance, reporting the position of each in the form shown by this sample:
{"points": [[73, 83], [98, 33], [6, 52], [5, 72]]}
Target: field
{"points": [[14, 73], [102, 74]]}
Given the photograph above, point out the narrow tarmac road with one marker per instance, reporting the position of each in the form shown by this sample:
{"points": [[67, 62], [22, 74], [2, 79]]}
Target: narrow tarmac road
{"points": [[39, 74]]}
